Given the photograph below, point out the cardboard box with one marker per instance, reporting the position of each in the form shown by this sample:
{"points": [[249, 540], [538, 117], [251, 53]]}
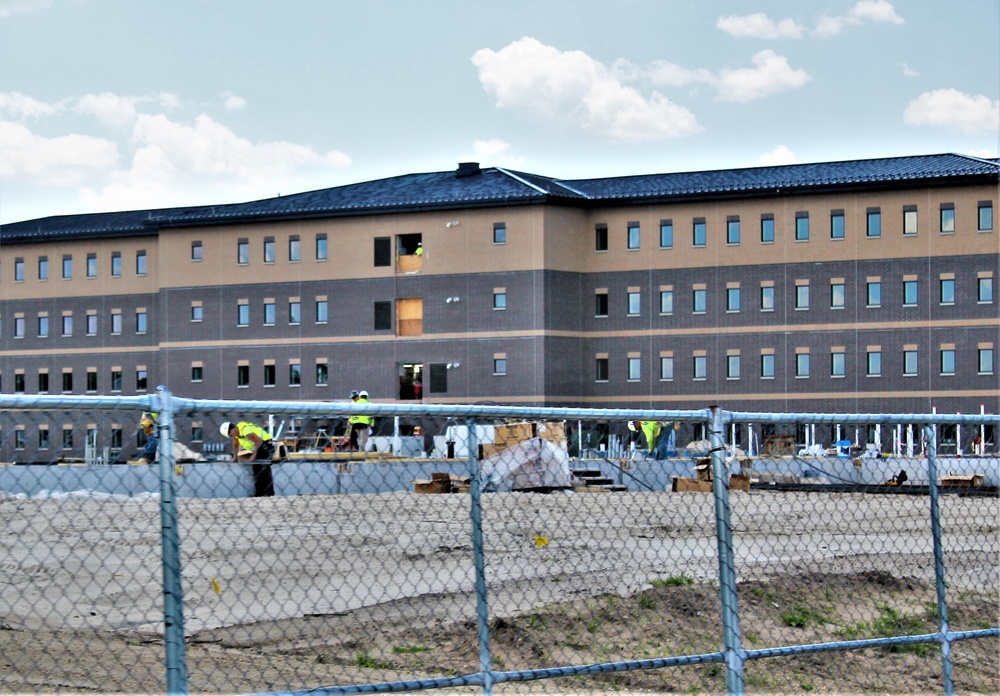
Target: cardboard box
{"points": [[513, 432], [431, 487]]}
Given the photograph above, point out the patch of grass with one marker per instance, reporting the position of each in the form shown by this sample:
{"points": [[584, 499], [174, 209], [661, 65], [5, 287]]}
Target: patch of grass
{"points": [[409, 649], [673, 581], [536, 622], [806, 686], [646, 602], [593, 625], [800, 616], [753, 638], [890, 622], [368, 662]]}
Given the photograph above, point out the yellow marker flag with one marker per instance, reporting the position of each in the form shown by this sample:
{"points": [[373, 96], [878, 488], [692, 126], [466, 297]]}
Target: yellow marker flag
{"points": [[541, 541], [215, 586]]}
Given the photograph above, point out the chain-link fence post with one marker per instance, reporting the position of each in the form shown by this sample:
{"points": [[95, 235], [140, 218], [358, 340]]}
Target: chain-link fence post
{"points": [[727, 567], [942, 604], [479, 561], [173, 597]]}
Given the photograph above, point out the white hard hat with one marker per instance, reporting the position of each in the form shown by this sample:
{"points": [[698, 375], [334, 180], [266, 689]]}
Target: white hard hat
{"points": [[631, 425], [363, 394], [224, 428]]}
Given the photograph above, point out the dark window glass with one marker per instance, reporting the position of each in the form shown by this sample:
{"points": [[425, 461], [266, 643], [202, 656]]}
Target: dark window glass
{"points": [[383, 316], [383, 251]]}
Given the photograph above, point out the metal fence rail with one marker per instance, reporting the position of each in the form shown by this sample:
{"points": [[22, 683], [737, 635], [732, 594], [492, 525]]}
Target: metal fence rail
{"points": [[501, 549]]}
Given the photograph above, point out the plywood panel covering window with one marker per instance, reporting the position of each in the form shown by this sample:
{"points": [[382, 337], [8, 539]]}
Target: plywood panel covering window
{"points": [[410, 317]]}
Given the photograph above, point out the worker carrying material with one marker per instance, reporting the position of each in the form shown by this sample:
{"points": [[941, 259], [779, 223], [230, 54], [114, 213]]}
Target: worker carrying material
{"points": [[258, 442], [660, 437]]}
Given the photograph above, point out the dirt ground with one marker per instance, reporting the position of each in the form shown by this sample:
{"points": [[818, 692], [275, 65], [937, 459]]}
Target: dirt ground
{"points": [[305, 591]]}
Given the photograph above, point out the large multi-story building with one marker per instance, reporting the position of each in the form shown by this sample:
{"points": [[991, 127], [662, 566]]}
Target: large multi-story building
{"points": [[836, 287]]}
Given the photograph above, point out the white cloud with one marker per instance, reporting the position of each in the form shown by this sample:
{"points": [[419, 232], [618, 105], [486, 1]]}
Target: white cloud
{"points": [[876, 11], [67, 160], [21, 106], [111, 110], [233, 102], [759, 26], [9, 7], [983, 154], [662, 72], [908, 71], [955, 109], [496, 153], [771, 74], [777, 156], [571, 88]]}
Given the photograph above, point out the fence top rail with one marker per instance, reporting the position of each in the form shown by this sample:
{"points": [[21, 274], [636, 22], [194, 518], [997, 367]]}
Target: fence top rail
{"points": [[859, 418], [46, 402]]}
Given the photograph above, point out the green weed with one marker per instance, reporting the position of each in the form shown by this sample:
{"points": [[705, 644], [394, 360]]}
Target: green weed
{"points": [[673, 581]]}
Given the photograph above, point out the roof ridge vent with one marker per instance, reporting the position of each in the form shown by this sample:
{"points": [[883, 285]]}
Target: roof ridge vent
{"points": [[467, 169]]}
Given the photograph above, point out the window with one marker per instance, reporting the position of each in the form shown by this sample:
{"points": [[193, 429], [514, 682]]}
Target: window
{"points": [[19, 270], [699, 232], [196, 251], [634, 369], [733, 229], [242, 375], [500, 299], [19, 382], [802, 365], [601, 237], [439, 378], [732, 367], [767, 366], [91, 324], [322, 374], [116, 264], [634, 303], [294, 374], [197, 312], [874, 293], [383, 252], [910, 293], [838, 364], [197, 373], [243, 314], [18, 327], [269, 250], [294, 249], [116, 321], [700, 301], [666, 234], [43, 327], [910, 359], [91, 380], [666, 301], [985, 216], [43, 438], [874, 362], [294, 312], [67, 325], [67, 267], [874, 222], [601, 365], [116, 380], [986, 361], [499, 232], [140, 263], [141, 379], [837, 224], [801, 297], [634, 236], [269, 314], [767, 228], [667, 368], [499, 366], [383, 316], [116, 438], [269, 375], [601, 304], [947, 291], [321, 249], [141, 321], [909, 220], [948, 361], [322, 311], [43, 267], [700, 367], [837, 296], [947, 218], [67, 436], [243, 252], [197, 433], [43, 382], [767, 298], [985, 290], [732, 299], [91, 265]]}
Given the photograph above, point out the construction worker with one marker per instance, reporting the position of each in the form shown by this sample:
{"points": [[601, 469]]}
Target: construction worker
{"points": [[258, 442], [360, 423], [148, 424], [420, 249], [659, 436]]}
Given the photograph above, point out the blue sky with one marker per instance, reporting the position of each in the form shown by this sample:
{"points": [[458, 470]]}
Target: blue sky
{"points": [[124, 104]]}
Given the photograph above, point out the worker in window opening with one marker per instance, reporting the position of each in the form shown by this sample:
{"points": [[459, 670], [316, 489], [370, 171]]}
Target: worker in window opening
{"points": [[360, 423], [258, 442], [420, 249], [148, 424]]}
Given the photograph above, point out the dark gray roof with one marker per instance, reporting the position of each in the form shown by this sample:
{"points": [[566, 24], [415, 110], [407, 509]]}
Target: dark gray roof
{"points": [[470, 187]]}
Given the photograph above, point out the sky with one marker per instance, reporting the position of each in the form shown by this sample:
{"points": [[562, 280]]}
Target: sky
{"points": [[109, 105]]}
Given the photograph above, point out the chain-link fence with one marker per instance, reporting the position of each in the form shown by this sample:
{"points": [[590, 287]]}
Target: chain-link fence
{"points": [[493, 549]]}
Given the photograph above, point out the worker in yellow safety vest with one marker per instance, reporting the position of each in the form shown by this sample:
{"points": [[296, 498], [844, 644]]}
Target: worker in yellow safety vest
{"points": [[360, 423]]}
